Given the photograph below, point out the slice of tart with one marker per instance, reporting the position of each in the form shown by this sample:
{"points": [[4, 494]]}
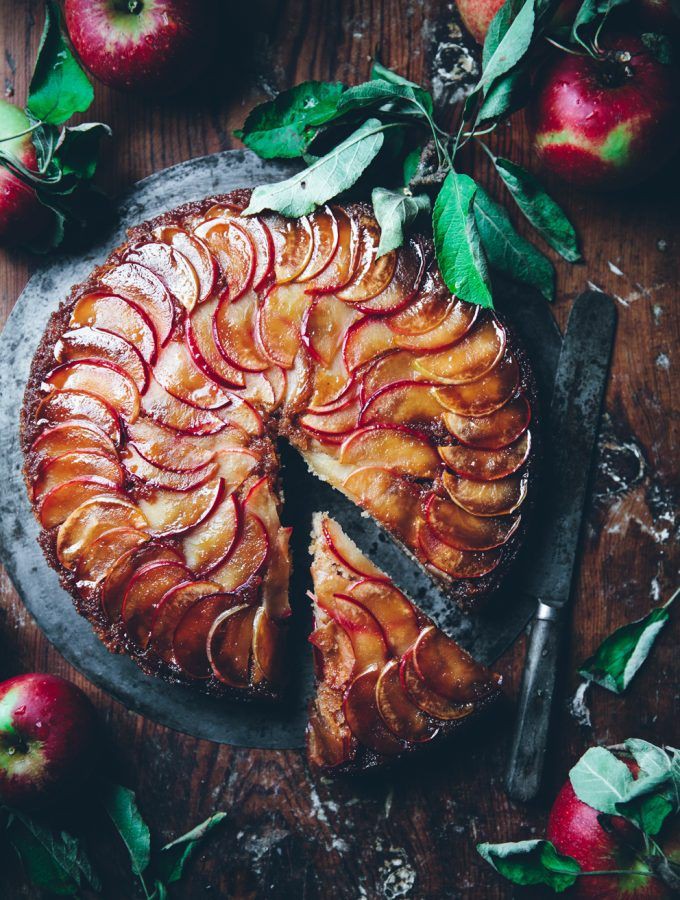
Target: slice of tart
{"points": [[388, 680]]}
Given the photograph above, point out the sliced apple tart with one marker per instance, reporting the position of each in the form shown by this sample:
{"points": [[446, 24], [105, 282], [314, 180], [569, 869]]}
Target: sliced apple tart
{"points": [[162, 382], [388, 680]]}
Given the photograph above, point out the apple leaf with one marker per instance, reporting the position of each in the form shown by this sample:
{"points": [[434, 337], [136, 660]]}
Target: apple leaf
{"points": [[286, 126], [498, 28], [378, 92], [654, 762], [531, 863], [600, 780], [506, 95], [648, 812], [169, 865], [591, 15], [121, 805], [395, 211], [540, 209], [507, 251], [77, 151], [510, 47], [59, 87], [411, 163], [459, 248], [331, 174]]}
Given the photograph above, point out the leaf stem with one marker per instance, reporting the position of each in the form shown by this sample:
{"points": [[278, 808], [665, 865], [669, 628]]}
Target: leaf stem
{"points": [[13, 137], [672, 598]]}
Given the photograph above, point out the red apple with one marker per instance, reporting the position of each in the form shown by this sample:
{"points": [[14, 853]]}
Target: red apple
{"points": [[150, 46], [47, 739], [574, 829], [22, 215], [606, 121], [477, 14]]}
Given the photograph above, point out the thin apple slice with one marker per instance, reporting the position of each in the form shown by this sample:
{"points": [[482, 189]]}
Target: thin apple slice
{"points": [[430, 702], [247, 558], [458, 321], [92, 518], [94, 343], [334, 426], [70, 436], [278, 379], [449, 671], [102, 554], [258, 391], [197, 253], [260, 502], [365, 340], [146, 587], [340, 269], [393, 501], [122, 317], [174, 512], [361, 627], [330, 384], [168, 450], [325, 242], [268, 647], [403, 403], [428, 309], [172, 267], [487, 465], [487, 394], [393, 367], [403, 718], [209, 544], [324, 325], [58, 504], [333, 655], [235, 465], [298, 383], [487, 498], [394, 612], [329, 744], [173, 413], [372, 274], [470, 358], [398, 293], [75, 465], [233, 247], [100, 377], [494, 431], [155, 477], [200, 338], [346, 551], [401, 449], [229, 645], [137, 283], [263, 246], [169, 611], [279, 322], [180, 376], [242, 415], [276, 579], [60, 407], [190, 640], [119, 576], [234, 331], [463, 531], [365, 722], [452, 562], [293, 245]]}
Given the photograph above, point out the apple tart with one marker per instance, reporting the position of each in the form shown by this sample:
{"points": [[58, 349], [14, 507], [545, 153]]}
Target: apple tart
{"points": [[160, 387]]}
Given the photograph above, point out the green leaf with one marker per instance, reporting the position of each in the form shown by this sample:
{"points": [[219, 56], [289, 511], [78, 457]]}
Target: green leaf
{"points": [[78, 151], [59, 87], [648, 812], [506, 95], [411, 164], [382, 73], [121, 805], [600, 780], [653, 761], [675, 775], [591, 16], [328, 176], [395, 211], [510, 49], [160, 891], [376, 93], [286, 126], [539, 208], [507, 251], [173, 856], [459, 249], [532, 862], [498, 28]]}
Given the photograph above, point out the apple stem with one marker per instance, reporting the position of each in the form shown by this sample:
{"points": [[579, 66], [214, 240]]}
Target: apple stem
{"points": [[135, 6], [564, 48], [645, 872]]}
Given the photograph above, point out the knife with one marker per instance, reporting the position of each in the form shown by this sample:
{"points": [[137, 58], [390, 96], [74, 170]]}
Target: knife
{"points": [[571, 434]]}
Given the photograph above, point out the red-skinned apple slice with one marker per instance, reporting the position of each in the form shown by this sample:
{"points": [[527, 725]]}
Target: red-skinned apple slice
{"points": [[403, 718], [365, 722], [401, 289], [101, 378], [455, 325], [470, 358], [395, 614], [487, 498], [209, 544], [247, 558], [190, 640], [234, 332], [78, 464], [328, 745], [339, 271], [330, 384], [137, 283], [116, 582], [258, 391], [155, 477], [393, 501], [428, 309], [325, 242], [180, 376], [172, 267], [263, 245], [494, 431], [372, 274], [145, 589], [333, 427], [334, 658], [279, 321], [487, 465], [174, 512], [260, 502], [278, 379], [361, 626], [430, 702], [197, 253], [171, 607], [401, 449], [200, 338], [170, 412], [243, 415], [324, 325], [403, 403], [229, 645], [293, 245], [463, 531], [277, 577], [68, 437], [101, 555], [164, 448], [92, 518], [399, 365], [487, 394], [95, 343], [80, 406], [346, 552], [122, 317], [58, 504], [449, 671], [365, 340], [233, 247], [452, 562], [235, 465], [267, 648]]}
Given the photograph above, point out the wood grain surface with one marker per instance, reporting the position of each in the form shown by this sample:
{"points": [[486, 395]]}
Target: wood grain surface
{"points": [[412, 834]]}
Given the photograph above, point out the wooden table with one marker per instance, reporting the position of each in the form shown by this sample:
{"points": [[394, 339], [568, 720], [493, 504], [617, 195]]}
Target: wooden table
{"points": [[412, 835]]}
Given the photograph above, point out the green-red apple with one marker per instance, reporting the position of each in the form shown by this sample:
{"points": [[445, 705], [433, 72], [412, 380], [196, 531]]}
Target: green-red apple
{"points": [[22, 215]]}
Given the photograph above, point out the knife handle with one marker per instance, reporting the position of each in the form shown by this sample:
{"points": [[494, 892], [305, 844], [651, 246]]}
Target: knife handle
{"points": [[527, 753]]}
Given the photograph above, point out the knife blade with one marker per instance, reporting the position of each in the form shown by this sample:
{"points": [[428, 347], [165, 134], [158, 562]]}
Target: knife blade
{"points": [[573, 425]]}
